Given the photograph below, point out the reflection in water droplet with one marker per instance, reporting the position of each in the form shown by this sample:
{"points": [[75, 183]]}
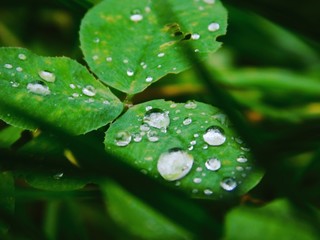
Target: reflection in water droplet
{"points": [[38, 88], [122, 139], [130, 73], [157, 118], [190, 105], [214, 136], [242, 159], [212, 27], [89, 91], [195, 36], [153, 136], [213, 164], [187, 121], [22, 56], [174, 164], [58, 176], [8, 66], [137, 137], [228, 184], [47, 76]]}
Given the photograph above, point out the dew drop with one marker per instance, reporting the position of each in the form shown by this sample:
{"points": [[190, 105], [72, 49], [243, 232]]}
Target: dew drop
{"points": [[22, 56], [122, 138], [125, 61], [195, 36], [14, 84], [72, 86], [8, 66], [228, 184], [130, 73], [157, 118], [190, 104], [173, 105], [152, 136], [197, 180], [109, 59], [95, 57], [149, 79], [96, 40], [19, 69], [148, 108], [144, 127], [207, 192], [38, 88], [106, 102], [47, 76], [187, 121], [89, 91], [209, 1], [199, 169], [214, 136], [193, 142], [196, 135], [137, 137], [242, 159], [205, 147], [213, 164], [136, 16], [75, 95], [212, 27], [174, 164], [161, 54], [239, 168], [58, 176]]}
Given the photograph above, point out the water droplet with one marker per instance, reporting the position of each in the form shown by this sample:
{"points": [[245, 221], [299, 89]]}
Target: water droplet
{"points": [[239, 168], [197, 180], [147, 9], [38, 88], [199, 169], [173, 105], [242, 159], [130, 73], [122, 139], [8, 66], [72, 86], [136, 16], [21, 56], [212, 27], [109, 59], [190, 104], [75, 95], [187, 121], [58, 176], [106, 102], [209, 1], [125, 61], [144, 127], [161, 54], [195, 36], [190, 147], [196, 135], [136, 137], [159, 66], [47, 76], [148, 108], [207, 192], [149, 79], [213, 164], [14, 84], [214, 136], [96, 40], [157, 118], [174, 164], [152, 136], [178, 131], [228, 184], [89, 91], [197, 50], [95, 57], [205, 147], [193, 142], [238, 140], [246, 149]]}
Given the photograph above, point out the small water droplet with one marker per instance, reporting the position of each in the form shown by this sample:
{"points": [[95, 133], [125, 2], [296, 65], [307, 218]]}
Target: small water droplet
{"points": [[205, 147], [136, 16], [130, 73], [228, 184], [148, 108], [194, 191], [174, 164], [95, 57], [38, 88], [238, 140], [190, 148], [152, 136], [178, 131], [157, 118], [213, 164], [195, 36], [159, 66], [214, 136], [19, 69], [196, 135], [144, 127], [212, 27], [193, 142], [72, 86], [22, 56], [47, 76], [239, 168], [122, 138], [149, 79], [161, 54], [125, 61], [173, 105], [89, 91], [106, 102], [187, 121], [199, 169], [197, 180], [190, 104], [8, 66], [58, 176], [197, 50], [242, 159], [246, 149], [96, 40], [109, 59], [207, 192], [209, 1], [136, 137], [14, 84], [75, 95]]}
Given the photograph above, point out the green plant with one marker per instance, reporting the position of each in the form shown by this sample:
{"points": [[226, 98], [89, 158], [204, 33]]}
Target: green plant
{"points": [[87, 143]]}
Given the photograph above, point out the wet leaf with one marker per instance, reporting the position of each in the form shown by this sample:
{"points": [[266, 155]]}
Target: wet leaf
{"points": [[7, 199], [9, 135], [135, 43]]}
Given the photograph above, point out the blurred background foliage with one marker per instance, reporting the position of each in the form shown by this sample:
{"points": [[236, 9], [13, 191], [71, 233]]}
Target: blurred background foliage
{"points": [[269, 69]]}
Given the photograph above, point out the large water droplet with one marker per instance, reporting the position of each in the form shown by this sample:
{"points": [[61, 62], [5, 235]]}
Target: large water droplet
{"points": [[212, 27], [89, 91], [174, 164], [213, 164], [136, 16], [214, 136], [122, 139], [157, 118], [228, 184], [47, 76], [38, 88]]}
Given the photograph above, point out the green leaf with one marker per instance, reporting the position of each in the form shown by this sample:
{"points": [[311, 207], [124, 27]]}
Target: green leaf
{"points": [[6, 197], [132, 44], [8, 136], [156, 135], [138, 218], [277, 220], [56, 90]]}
